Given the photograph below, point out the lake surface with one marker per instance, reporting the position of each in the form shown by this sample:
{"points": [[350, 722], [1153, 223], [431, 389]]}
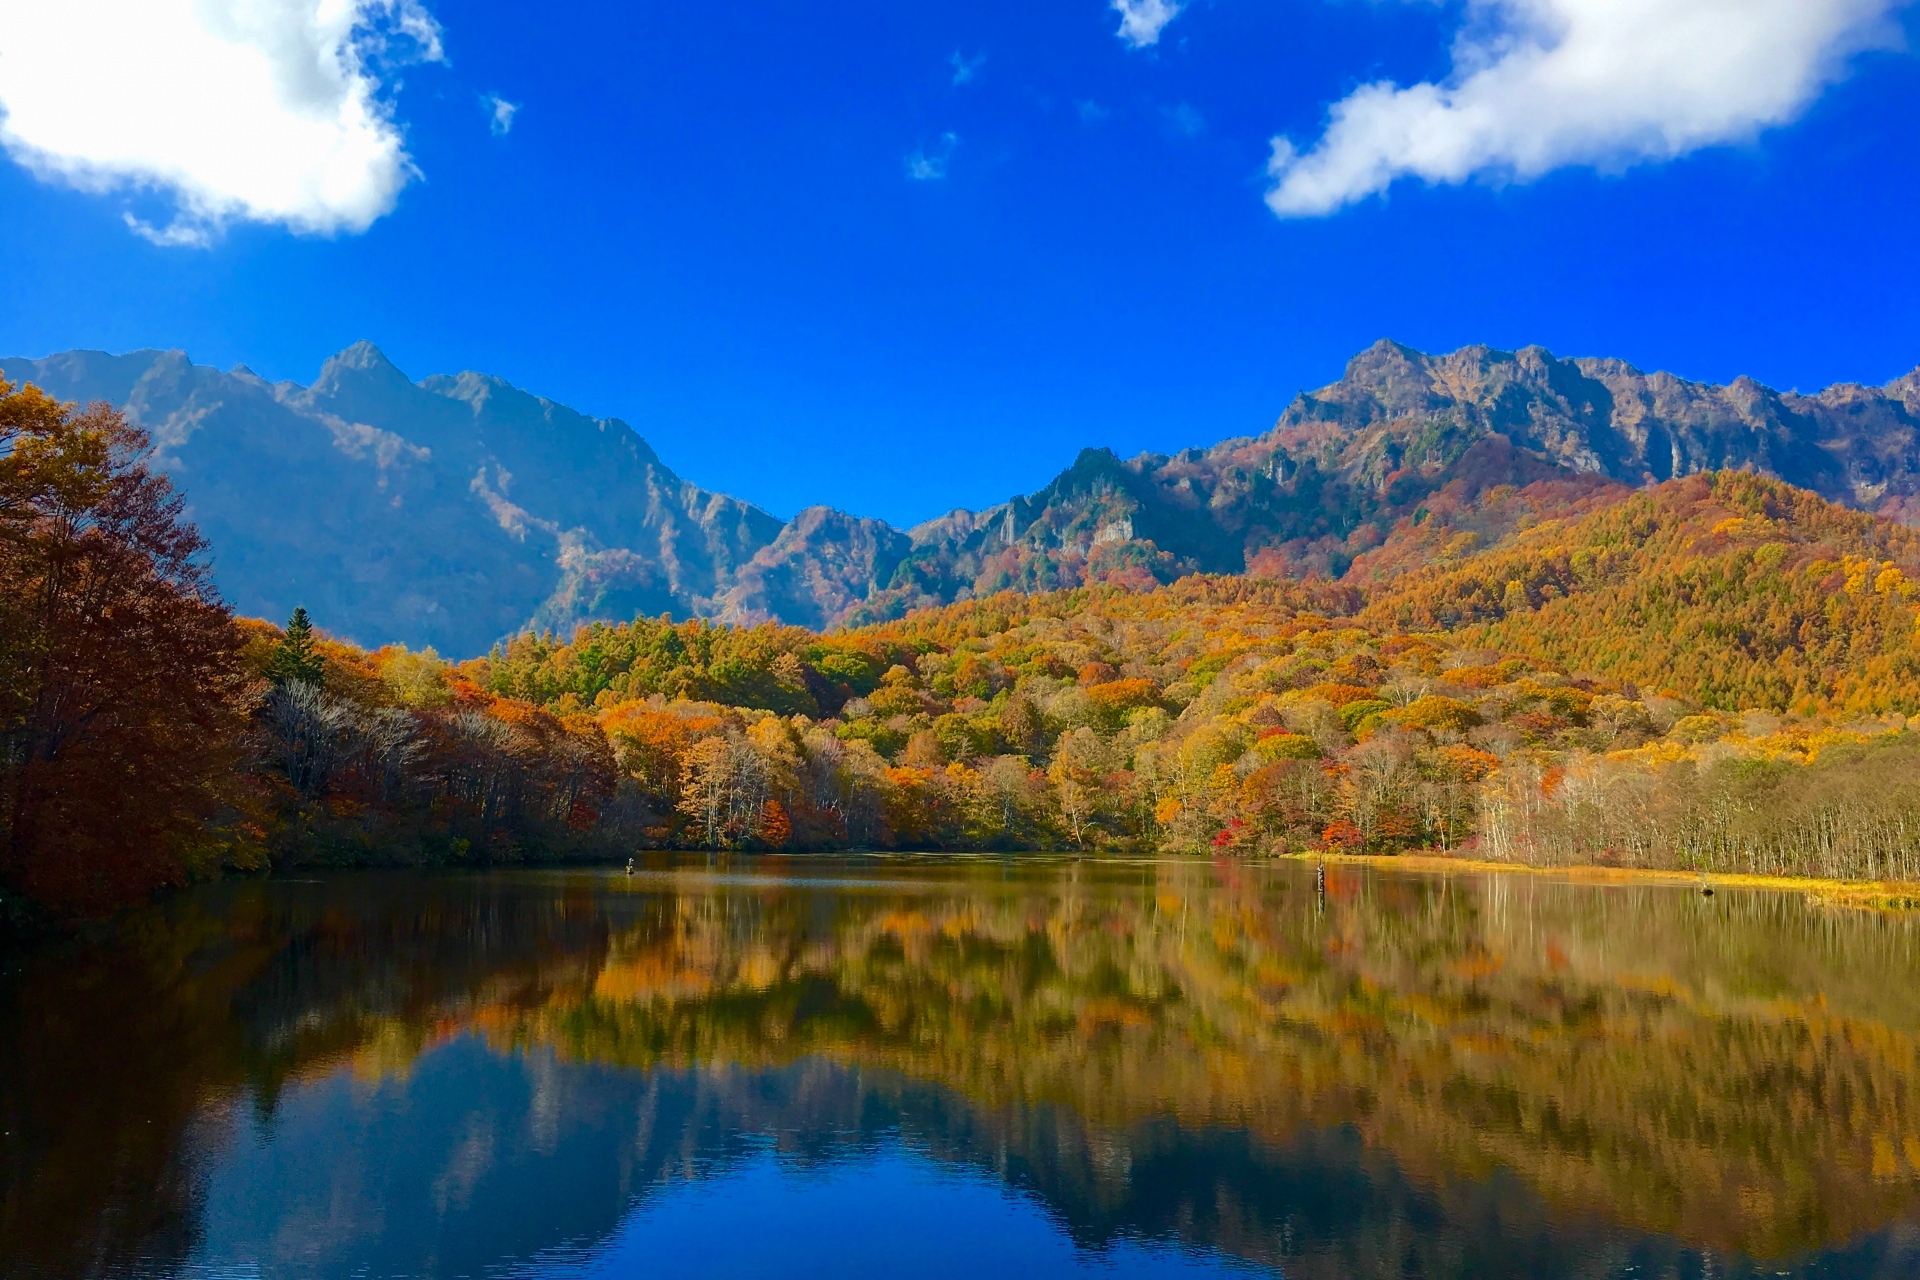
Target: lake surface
{"points": [[844, 1066]]}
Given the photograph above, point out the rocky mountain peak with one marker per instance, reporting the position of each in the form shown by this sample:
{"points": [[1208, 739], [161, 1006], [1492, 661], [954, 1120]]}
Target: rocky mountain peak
{"points": [[362, 355], [1906, 389], [358, 374]]}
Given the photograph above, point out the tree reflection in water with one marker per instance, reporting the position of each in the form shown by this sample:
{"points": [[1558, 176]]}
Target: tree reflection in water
{"points": [[1394, 1075]]}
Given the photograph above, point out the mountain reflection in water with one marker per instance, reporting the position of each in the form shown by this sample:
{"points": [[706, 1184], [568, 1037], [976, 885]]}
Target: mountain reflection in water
{"points": [[842, 1065]]}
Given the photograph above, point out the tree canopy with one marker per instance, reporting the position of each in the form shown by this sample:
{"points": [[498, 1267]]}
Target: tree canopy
{"points": [[120, 689]]}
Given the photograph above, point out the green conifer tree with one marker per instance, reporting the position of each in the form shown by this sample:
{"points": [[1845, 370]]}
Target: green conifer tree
{"points": [[294, 658]]}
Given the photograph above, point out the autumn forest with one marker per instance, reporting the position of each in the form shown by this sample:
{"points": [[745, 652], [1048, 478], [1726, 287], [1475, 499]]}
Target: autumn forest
{"points": [[1711, 674]]}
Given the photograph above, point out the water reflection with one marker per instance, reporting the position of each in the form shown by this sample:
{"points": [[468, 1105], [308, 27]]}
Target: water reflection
{"points": [[1380, 1074]]}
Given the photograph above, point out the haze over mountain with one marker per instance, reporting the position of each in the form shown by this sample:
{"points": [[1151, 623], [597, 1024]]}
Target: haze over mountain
{"points": [[459, 509]]}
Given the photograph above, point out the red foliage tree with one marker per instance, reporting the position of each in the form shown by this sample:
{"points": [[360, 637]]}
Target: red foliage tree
{"points": [[775, 827], [120, 689]]}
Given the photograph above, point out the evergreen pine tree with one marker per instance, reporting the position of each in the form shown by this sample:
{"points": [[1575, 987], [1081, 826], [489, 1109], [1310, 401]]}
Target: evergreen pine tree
{"points": [[294, 658]]}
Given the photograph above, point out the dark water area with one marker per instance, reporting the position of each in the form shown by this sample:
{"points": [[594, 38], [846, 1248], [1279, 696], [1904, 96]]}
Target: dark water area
{"points": [[963, 1066]]}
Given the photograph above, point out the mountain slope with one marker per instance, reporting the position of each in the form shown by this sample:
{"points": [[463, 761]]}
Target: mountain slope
{"points": [[1397, 408], [1731, 588], [822, 564], [459, 509], [1401, 431], [448, 512]]}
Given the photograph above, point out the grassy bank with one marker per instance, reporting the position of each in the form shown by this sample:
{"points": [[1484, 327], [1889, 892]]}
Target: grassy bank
{"points": [[1893, 895]]}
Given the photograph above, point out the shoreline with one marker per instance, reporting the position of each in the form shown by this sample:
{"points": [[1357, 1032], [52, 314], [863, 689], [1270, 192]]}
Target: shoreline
{"points": [[1886, 895], [1883, 895]]}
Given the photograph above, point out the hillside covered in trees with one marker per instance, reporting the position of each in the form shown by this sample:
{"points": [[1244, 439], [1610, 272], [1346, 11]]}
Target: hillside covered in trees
{"points": [[1712, 673]]}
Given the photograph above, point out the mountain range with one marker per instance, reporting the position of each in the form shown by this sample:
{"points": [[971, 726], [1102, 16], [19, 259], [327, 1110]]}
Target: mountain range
{"points": [[459, 509]]}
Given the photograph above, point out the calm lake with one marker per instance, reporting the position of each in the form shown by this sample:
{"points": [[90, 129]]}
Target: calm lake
{"points": [[846, 1066]]}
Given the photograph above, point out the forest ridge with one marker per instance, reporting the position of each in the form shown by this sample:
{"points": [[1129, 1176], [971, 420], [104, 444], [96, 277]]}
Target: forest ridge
{"points": [[457, 510]]}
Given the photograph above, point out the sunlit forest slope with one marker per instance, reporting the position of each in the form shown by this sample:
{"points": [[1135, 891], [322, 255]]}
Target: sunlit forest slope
{"points": [[1712, 673]]}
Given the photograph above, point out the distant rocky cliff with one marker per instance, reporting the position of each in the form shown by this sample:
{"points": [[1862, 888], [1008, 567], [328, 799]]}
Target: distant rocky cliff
{"points": [[1398, 408], [458, 509], [1346, 462], [447, 512]]}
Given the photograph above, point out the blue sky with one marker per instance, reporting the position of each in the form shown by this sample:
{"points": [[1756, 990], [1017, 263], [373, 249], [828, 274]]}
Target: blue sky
{"points": [[903, 258]]}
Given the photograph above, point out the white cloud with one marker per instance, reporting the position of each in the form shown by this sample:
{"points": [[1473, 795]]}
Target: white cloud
{"points": [[256, 110], [1141, 21], [1539, 84], [500, 114], [965, 68], [930, 166]]}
